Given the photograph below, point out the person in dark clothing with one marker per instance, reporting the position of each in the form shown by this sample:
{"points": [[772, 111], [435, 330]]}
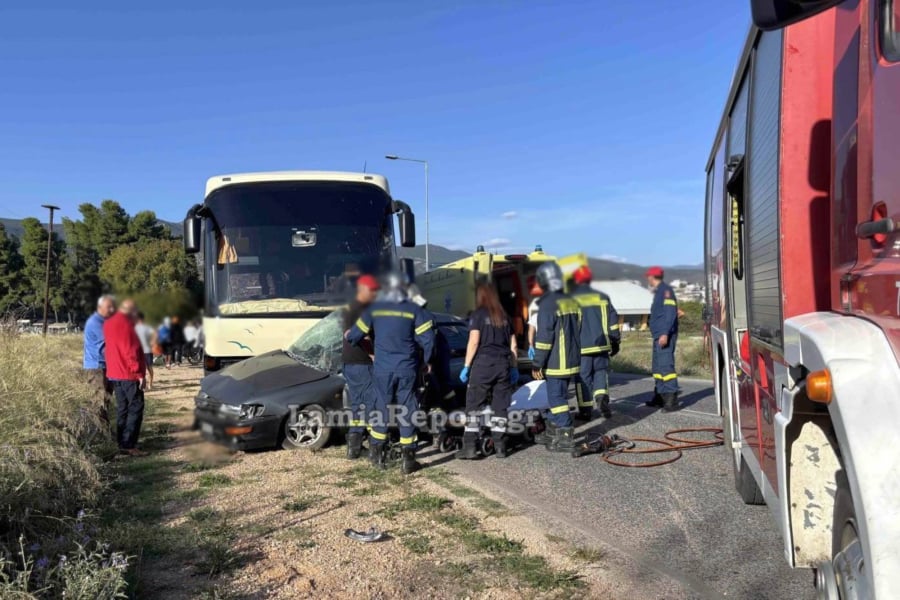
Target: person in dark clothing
{"points": [[126, 369], [358, 367], [176, 338], [400, 329], [490, 370]]}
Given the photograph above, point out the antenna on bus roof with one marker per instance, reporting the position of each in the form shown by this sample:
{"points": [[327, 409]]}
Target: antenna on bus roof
{"points": [[365, 163]]}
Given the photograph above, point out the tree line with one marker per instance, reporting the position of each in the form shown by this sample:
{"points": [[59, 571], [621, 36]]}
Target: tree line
{"points": [[105, 251]]}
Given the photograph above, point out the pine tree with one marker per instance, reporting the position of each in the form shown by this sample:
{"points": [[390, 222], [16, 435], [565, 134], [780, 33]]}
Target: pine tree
{"points": [[11, 265]]}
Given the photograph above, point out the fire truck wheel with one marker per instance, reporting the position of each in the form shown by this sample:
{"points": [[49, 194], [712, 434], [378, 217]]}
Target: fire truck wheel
{"points": [[744, 482], [846, 549]]}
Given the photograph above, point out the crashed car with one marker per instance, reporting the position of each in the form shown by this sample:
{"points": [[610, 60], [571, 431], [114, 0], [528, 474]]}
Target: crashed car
{"points": [[282, 398]]}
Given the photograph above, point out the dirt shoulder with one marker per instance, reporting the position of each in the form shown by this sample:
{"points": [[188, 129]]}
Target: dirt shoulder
{"points": [[208, 523]]}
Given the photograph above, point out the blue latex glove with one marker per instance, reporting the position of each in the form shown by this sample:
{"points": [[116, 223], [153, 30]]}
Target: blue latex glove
{"points": [[514, 375], [464, 375], [531, 354]]}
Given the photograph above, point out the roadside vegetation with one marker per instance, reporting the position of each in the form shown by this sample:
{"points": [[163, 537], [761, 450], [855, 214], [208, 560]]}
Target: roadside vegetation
{"points": [[691, 356], [53, 446]]}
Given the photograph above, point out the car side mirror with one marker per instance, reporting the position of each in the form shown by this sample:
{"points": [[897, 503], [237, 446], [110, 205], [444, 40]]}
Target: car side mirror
{"points": [[775, 14]]}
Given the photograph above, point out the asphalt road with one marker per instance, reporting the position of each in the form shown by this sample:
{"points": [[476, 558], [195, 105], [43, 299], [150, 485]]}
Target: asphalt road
{"points": [[681, 527]]}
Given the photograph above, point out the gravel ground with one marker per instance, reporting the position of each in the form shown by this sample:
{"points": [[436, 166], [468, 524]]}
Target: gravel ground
{"points": [[270, 525]]}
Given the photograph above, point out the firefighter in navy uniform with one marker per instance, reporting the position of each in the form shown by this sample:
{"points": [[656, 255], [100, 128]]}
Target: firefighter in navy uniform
{"points": [[664, 329], [557, 356], [358, 367], [400, 329], [599, 340]]}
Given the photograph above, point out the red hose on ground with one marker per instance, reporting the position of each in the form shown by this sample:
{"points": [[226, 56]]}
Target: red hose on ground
{"points": [[672, 442]]}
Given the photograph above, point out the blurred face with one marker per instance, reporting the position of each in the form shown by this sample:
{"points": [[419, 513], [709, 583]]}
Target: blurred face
{"points": [[652, 282], [106, 308], [129, 309], [365, 294]]}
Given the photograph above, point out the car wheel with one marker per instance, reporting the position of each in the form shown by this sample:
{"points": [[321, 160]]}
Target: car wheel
{"points": [[486, 446], [309, 430]]}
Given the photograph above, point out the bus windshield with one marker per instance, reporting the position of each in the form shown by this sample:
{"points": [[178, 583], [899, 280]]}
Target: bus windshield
{"points": [[293, 247]]}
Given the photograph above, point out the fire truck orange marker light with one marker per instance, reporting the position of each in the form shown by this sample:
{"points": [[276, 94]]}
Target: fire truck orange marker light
{"points": [[818, 386]]}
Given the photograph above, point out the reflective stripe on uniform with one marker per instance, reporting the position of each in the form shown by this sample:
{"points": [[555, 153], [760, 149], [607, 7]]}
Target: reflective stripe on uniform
{"points": [[670, 302], [596, 349], [614, 327], [543, 346], [562, 350], [406, 441], [393, 313], [357, 423], [560, 372], [424, 327], [583, 404], [668, 377], [559, 409], [376, 435], [567, 306], [604, 316], [600, 393], [362, 326], [588, 299]]}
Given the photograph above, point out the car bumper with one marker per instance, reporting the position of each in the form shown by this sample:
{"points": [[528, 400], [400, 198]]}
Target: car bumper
{"points": [[239, 435]]}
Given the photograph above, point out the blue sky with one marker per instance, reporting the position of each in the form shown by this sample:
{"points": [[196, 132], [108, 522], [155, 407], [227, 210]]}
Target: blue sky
{"points": [[581, 126]]}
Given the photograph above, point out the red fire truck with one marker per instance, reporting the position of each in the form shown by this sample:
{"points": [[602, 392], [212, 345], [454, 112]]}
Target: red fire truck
{"points": [[803, 264]]}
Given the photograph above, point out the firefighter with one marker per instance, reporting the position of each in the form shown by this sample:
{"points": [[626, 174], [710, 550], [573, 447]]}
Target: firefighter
{"points": [[557, 356], [400, 329], [490, 371], [599, 341], [664, 329], [358, 367]]}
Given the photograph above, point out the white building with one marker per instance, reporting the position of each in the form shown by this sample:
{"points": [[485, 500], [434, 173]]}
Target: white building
{"points": [[631, 300]]}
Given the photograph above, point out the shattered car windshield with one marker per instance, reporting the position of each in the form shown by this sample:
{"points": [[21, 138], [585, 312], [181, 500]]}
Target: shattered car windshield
{"points": [[320, 346]]}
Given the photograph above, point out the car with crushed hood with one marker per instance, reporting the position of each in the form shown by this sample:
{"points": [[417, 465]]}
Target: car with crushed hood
{"points": [[289, 397]]}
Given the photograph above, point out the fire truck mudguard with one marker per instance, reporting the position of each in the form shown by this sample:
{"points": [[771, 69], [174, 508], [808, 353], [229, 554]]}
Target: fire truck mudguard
{"points": [[864, 411]]}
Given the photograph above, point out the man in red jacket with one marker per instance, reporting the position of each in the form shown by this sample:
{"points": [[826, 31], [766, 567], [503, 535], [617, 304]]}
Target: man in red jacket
{"points": [[125, 369]]}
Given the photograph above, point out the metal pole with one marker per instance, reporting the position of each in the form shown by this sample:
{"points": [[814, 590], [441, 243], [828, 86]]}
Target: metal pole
{"points": [[51, 208], [427, 242]]}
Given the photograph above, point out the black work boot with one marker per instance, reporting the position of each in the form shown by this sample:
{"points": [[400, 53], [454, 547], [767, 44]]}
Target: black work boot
{"points": [[354, 445], [604, 406], [669, 402], [409, 463], [376, 456], [500, 450], [657, 400], [548, 436], [469, 450], [586, 413], [565, 440]]}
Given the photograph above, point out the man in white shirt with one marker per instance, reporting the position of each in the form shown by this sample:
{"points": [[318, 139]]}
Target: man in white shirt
{"points": [[535, 290]]}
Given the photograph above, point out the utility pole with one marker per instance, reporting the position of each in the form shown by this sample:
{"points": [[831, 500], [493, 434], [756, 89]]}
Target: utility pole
{"points": [[51, 208]]}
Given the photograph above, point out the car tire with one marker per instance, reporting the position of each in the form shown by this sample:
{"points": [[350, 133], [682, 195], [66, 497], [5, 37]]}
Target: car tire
{"points": [[311, 432]]}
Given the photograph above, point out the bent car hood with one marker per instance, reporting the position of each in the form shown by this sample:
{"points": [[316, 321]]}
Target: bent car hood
{"points": [[257, 376]]}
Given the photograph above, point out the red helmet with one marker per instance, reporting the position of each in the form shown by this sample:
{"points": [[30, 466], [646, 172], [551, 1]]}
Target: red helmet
{"points": [[582, 275], [368, 281], [655, 272]]}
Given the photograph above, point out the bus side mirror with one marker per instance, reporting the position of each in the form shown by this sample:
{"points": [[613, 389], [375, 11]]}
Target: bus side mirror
{"points": [[192, 226], [408, 268], [775, 14], [407, 224]]}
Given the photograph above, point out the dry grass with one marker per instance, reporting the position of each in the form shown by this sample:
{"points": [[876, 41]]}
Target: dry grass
{"points": [[691, 359]]}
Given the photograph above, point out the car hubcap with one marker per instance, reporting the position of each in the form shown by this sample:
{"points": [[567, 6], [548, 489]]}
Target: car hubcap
{"points": [[306, 430]]}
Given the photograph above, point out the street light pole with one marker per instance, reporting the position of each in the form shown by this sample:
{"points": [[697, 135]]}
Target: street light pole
{"points": [[51, 208], [427, 240]]}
